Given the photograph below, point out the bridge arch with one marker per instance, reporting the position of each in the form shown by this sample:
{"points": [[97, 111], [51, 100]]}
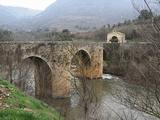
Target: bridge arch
{"points": [[114, 39], [38, 56], [80, 61], [35, 77]]}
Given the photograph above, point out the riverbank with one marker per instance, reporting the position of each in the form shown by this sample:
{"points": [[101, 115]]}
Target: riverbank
{"points": [[15, 105]]}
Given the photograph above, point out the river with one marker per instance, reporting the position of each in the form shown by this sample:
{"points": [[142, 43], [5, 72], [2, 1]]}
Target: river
{"points": [[100, 102]]}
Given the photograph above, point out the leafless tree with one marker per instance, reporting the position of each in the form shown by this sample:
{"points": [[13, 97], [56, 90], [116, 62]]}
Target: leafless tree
{"points": [[144, 68]]}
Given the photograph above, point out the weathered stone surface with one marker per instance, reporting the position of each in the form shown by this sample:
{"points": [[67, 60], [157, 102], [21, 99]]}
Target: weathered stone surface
{"points": [[120, 36], [56, 55]]}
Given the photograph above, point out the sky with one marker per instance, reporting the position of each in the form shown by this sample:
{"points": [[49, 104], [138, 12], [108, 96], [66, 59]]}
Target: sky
{"points": [[33, 4]]}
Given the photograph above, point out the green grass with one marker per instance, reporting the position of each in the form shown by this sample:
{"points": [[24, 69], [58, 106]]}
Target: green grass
{"points": [[23, 107]]}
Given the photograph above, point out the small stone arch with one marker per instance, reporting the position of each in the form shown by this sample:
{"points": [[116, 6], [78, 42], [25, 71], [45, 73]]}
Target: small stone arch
{"points": [[116, 37], [35, 77], [80, 61], [81, 56]]}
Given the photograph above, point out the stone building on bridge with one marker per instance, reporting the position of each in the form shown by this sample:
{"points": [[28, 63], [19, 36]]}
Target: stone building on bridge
{"points": [[117, 37]]}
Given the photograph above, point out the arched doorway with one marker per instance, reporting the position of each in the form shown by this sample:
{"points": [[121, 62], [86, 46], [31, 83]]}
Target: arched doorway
{"points": [[35, 77], [80, 62], [114, 39]]}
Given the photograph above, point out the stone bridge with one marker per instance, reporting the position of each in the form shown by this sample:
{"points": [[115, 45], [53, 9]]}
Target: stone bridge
{"points": [[44, 69]]}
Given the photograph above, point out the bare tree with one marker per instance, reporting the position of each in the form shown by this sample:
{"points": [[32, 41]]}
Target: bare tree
{"points": [[144, 68]]}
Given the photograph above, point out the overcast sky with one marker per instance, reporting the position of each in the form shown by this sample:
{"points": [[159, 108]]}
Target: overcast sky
{"points": [[34, 4]]}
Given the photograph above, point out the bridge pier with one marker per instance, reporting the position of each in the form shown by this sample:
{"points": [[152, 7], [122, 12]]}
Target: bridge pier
{"points": [[61, 83]]}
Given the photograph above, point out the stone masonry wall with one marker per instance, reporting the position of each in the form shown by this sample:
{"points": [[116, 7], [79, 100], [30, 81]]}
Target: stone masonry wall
{"points": [[56, 55]]}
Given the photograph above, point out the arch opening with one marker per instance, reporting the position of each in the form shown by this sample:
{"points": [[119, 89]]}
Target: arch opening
{"points": [[35, 77], [80, 62], [114, 39]]}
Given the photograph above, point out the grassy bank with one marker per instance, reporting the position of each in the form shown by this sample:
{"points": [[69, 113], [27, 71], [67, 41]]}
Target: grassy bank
{"points": [[15, 105]]}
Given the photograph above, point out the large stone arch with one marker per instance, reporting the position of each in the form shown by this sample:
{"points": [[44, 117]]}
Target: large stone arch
{"points": [[80, 63], [35, 77]]}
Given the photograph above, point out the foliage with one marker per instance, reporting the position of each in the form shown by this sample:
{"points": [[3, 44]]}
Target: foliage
{"points": [[5, 35], [22, 107], [11, 114], [101, 34], [144, 15], [113, 60], [143, 67], [65, 35]]}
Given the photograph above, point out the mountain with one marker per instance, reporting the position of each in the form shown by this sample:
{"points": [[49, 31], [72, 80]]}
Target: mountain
{"points": [[13, 15], [71, 14], [85, 13]]}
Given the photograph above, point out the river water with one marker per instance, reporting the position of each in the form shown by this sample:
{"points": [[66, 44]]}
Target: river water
{"points": [[98, 102]]}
